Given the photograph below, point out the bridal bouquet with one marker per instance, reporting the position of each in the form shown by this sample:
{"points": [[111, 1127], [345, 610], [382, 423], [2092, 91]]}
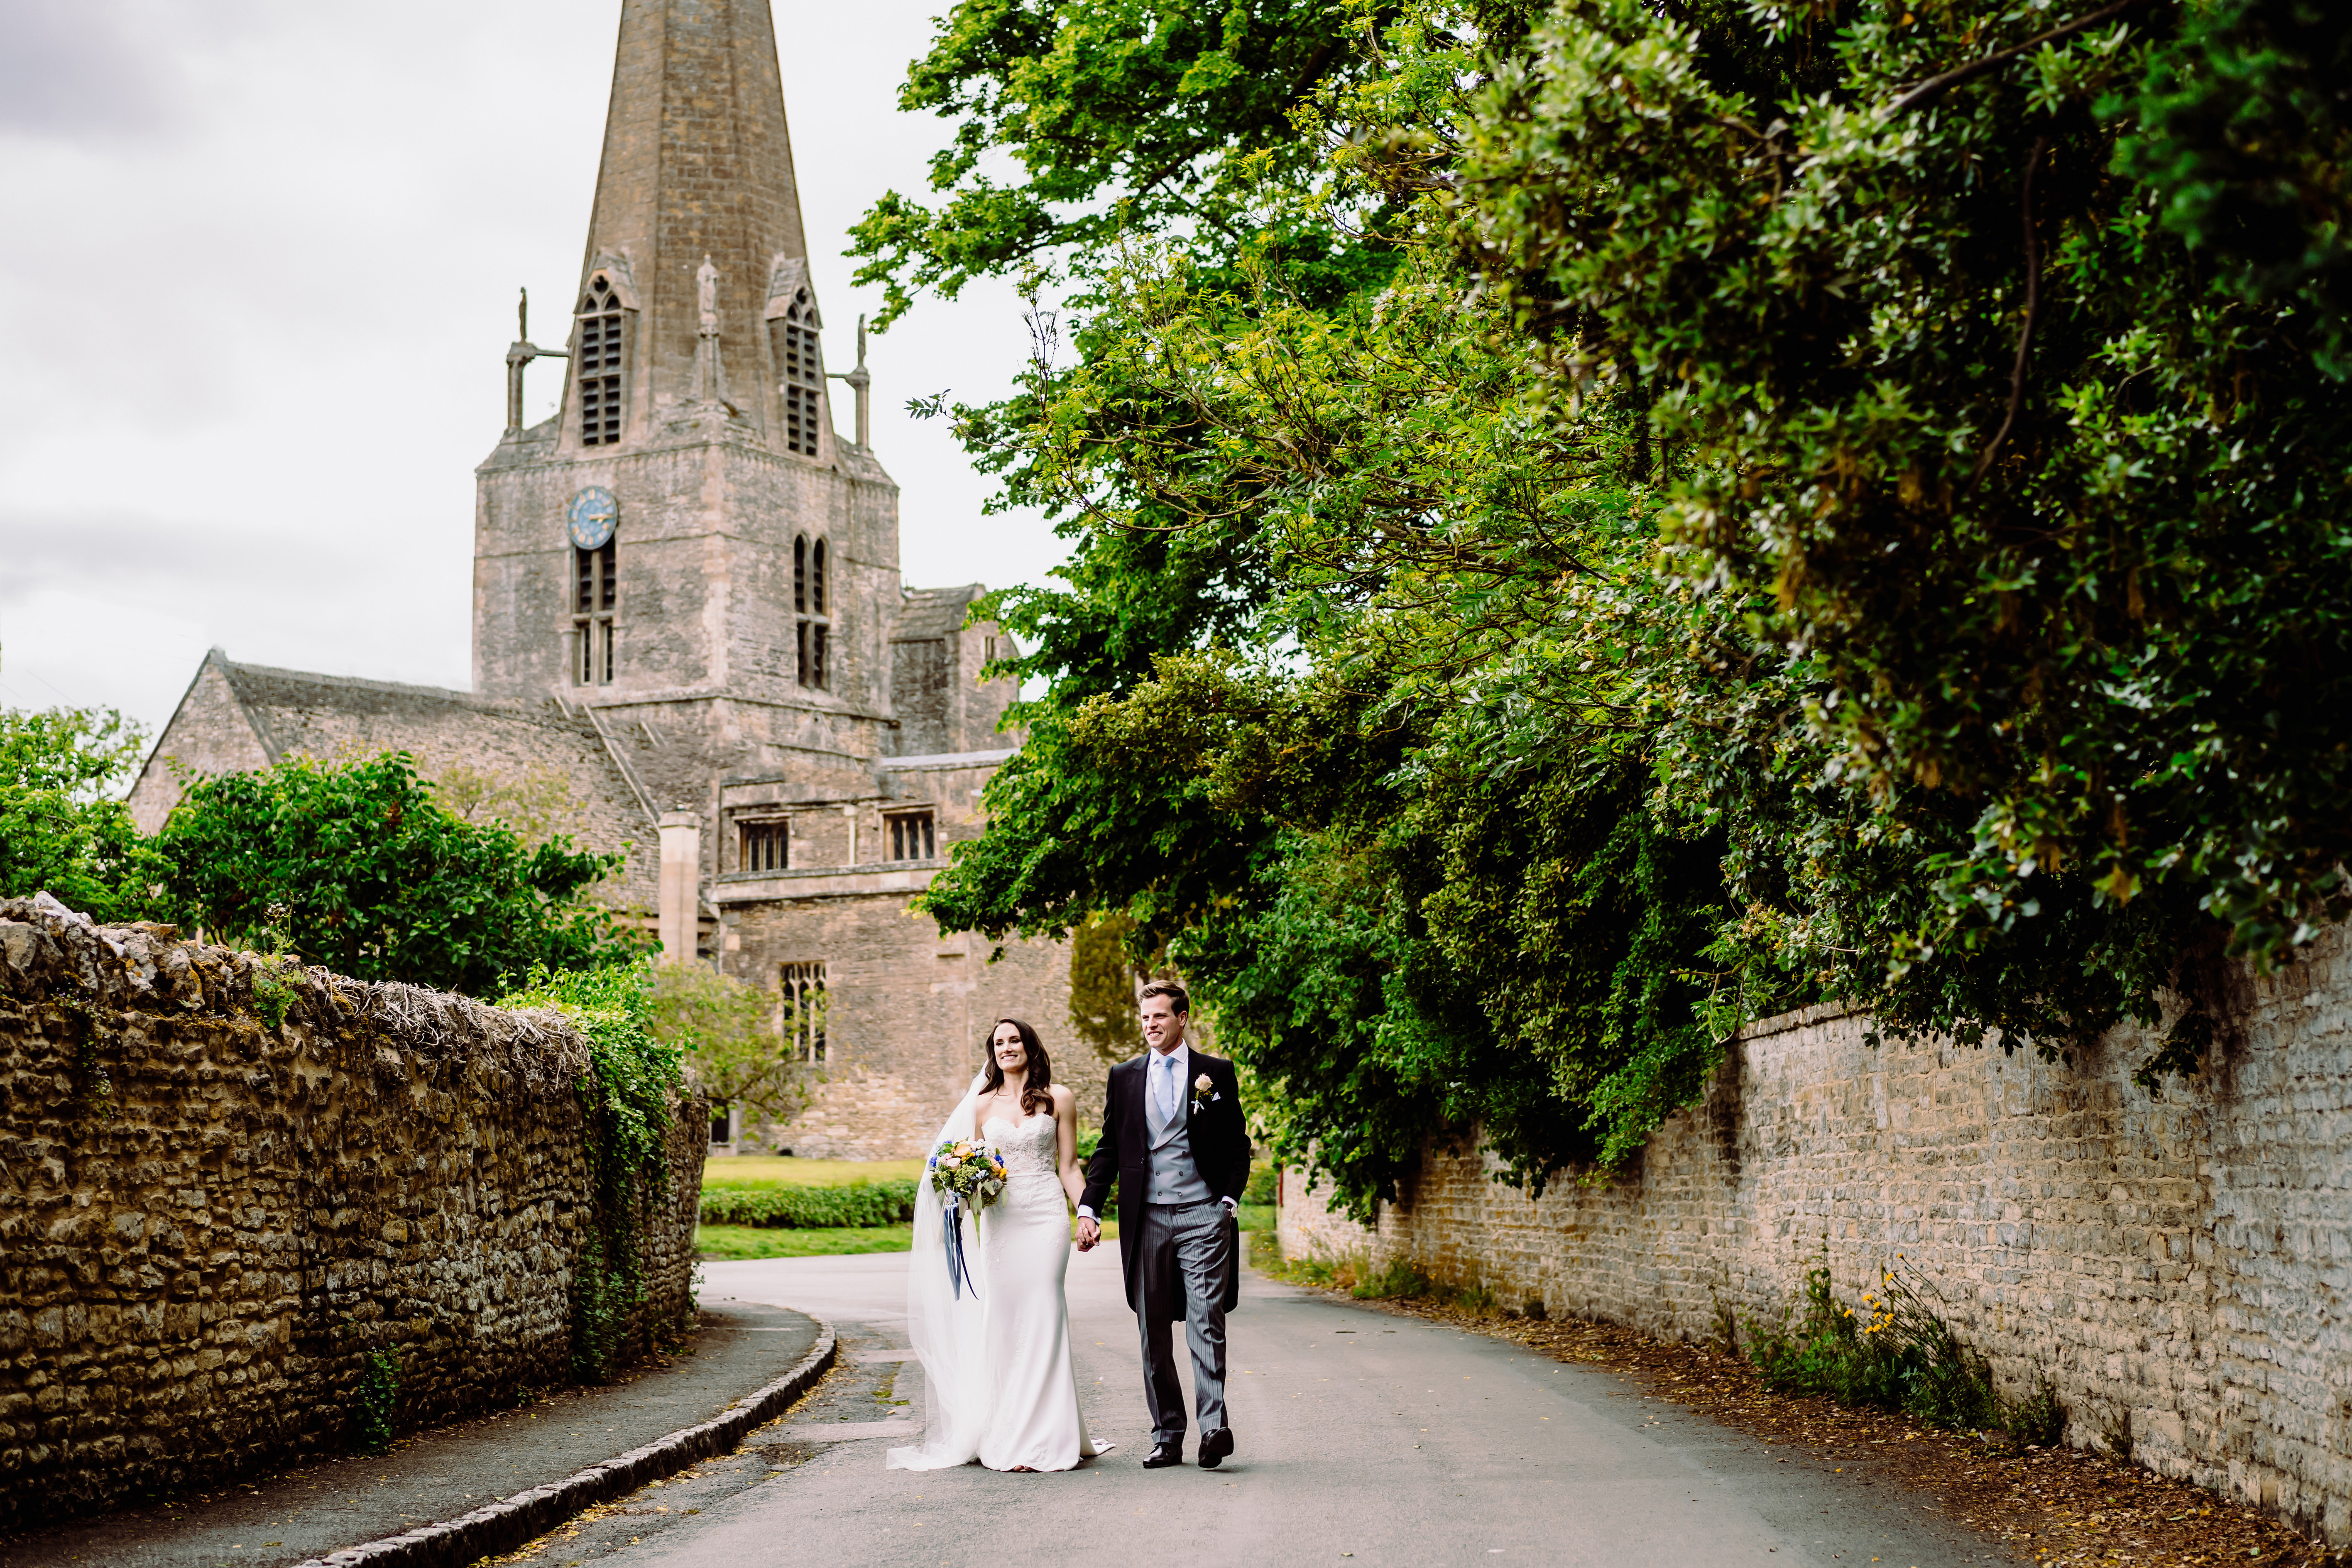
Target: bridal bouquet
{"points": [[966, 1173]]}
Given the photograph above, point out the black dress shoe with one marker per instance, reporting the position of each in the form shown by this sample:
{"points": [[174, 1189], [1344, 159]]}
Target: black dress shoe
{"points": [[1215, 1446], [1163, 1455]]}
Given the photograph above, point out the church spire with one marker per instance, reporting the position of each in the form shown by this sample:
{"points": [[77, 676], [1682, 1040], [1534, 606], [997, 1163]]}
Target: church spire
{"points": [[697, 171]]}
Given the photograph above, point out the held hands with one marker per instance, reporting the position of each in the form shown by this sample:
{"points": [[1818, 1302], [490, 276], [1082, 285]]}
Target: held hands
{"points": [[1089, 1233]]}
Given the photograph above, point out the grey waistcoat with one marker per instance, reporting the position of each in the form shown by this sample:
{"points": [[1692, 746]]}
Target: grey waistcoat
{"points": [[1175, 1179]]}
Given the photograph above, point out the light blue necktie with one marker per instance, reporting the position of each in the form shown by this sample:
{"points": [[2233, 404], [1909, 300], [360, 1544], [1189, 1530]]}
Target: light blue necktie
{"points": [[1166, 1096]]}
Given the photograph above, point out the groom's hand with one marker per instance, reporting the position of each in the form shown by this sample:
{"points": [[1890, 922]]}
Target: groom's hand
{"points": [[1089, 1233]]}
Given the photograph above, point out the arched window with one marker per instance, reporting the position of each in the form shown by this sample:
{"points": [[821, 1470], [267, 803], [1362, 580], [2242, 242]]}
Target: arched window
{"points": [[600, 365], [594, 590], [811, 627], [801, 1010], [800, 372]]}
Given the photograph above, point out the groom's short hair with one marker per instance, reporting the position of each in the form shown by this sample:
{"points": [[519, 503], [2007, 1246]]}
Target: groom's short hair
{"points": [[1177, 997]]}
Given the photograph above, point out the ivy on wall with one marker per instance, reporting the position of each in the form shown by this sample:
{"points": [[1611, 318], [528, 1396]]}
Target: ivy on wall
{"points": [[625, 1097]]}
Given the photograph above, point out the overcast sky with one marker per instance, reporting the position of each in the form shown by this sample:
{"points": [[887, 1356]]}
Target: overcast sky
{"points": [[260, 261]]}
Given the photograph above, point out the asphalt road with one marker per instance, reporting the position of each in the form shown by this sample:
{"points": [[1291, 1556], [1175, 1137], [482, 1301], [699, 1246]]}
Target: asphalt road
{"points": [[1362, 1437]]}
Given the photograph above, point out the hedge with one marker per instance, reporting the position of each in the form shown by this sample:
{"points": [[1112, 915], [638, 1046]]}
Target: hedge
{"points": [[810, 1208]]}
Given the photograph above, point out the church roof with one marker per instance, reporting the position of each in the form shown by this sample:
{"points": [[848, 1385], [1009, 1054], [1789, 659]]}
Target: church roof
{"points": [[934, 612], [518, 759]]}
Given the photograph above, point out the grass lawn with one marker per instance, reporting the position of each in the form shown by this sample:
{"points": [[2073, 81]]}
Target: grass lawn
{"points": [[735, 1169], [736, 1243]]}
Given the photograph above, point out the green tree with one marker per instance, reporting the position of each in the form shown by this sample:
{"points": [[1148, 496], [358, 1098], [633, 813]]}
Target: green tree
{"points": [[1152, 116], [1102, 988], [1338, 491], [728, 1031], [2022, 442], [362, 869], [61, 827], [1779, 505]]}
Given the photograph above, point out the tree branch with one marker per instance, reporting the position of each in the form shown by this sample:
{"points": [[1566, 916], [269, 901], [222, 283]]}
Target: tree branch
{"points": [[2032, 314], [1935, 86]]}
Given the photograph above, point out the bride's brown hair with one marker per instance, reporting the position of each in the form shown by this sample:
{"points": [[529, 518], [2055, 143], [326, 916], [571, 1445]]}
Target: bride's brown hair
{"points": [[1034, 1089]]}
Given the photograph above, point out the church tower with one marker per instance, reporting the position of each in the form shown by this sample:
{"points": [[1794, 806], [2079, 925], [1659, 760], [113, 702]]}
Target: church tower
{"points": [[687, 612], [688, 548]]}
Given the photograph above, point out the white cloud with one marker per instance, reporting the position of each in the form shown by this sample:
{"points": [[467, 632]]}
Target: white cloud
{"points": [[258, 261]]}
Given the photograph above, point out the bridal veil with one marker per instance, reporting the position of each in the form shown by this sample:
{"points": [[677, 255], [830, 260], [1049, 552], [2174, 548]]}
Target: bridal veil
{"points": [[945, 1327]]}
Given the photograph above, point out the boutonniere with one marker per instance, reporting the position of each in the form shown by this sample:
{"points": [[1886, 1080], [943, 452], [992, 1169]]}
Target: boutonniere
{"points": [[1203, 1094]]}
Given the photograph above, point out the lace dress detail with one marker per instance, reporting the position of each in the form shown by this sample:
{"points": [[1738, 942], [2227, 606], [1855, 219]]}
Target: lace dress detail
{"points": [[1029, 1146]]}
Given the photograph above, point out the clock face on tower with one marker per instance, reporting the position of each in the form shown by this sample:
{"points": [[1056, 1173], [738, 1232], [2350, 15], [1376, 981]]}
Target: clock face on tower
{"points": [[592, 516]]}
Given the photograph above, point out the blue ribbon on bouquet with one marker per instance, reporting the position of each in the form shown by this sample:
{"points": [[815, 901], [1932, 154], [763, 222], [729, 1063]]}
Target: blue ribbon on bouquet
{"points": [[959, 1268]]}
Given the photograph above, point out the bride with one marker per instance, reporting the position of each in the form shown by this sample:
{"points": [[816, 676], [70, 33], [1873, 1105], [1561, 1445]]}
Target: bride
{"points": [[997, 1382]]}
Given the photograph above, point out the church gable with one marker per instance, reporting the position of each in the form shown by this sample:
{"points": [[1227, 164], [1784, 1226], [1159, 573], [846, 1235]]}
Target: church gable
{"points": [[537, 766], [210, 732]]}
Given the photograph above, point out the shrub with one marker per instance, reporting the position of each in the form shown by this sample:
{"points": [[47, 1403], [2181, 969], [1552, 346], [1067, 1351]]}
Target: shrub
{"points": [[1394, 1279], [626, 1096], [1261, 1183], [808, 1208], [358, 867], [1894, 1353]]}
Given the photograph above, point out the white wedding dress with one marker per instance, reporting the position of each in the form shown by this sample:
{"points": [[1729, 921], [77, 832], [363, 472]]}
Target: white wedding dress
{"points": [[997, 1382]]}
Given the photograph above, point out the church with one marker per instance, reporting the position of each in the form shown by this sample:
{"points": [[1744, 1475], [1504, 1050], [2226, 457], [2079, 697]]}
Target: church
{"points": [[690, 630]]}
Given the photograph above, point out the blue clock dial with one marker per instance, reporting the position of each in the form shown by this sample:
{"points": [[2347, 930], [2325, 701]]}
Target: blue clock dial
{"points": [[592, 516]]}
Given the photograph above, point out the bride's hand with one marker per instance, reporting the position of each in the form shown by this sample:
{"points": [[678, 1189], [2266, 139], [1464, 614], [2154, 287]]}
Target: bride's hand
{"points": [[1089, 1233]]}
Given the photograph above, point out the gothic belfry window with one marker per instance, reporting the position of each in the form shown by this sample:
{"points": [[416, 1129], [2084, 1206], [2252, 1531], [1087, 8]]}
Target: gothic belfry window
{"points": [[800, 372], [812, 622], [594, 595], [602, 364]]}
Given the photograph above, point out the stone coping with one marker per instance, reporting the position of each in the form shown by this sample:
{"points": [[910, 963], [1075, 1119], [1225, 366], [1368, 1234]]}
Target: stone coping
{"points": [[1801, 1018], [824, 882], [504, 1525], [942, 762]]}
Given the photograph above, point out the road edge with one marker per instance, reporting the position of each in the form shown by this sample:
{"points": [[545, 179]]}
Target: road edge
{"points": [[509, 1522]]}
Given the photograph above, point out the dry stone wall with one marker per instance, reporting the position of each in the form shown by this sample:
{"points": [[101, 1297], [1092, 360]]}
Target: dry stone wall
{"points": [[222, 1186], [2178, 1266]]}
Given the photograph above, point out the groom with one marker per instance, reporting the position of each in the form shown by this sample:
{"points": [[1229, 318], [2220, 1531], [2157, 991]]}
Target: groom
{"points": [[1174, 1137]]}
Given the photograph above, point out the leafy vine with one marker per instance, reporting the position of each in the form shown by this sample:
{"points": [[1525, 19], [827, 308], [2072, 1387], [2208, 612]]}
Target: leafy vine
{"points": [[624, 1099]]}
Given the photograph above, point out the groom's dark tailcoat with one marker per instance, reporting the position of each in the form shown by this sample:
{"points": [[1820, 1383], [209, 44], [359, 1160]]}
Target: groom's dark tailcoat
{"points": [[1221, 1152]]}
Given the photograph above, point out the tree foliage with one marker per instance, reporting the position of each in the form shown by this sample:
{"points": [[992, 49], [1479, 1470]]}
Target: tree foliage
{"points": [[1780, 505], [360, 867], [61, 827], [1153, 116], [1103, 981], [727, 1030]]}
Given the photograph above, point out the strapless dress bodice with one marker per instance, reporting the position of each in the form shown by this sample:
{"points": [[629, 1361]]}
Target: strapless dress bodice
{"points": [[1029, 1146]]}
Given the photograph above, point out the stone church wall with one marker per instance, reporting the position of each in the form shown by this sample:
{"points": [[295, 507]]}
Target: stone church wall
{"points": [[908, 1010], [209, 734], [909, 1015], [2182, 1265], [221, 1187]]}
